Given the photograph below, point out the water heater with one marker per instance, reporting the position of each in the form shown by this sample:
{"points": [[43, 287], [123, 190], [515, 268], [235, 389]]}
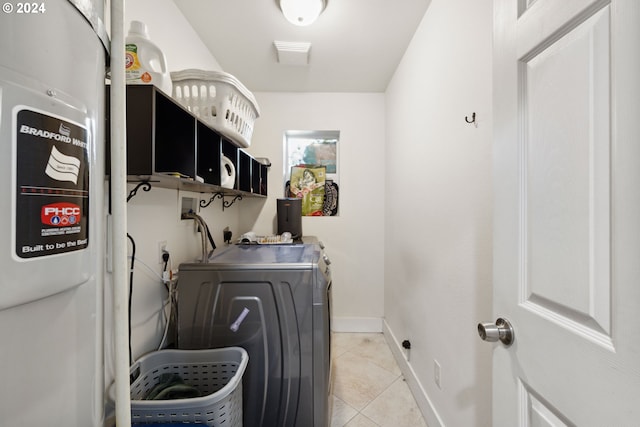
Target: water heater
{"points": [[52, 71]]}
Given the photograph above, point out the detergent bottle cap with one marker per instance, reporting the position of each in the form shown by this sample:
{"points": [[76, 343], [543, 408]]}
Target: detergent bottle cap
{"points": [[138, 28]]}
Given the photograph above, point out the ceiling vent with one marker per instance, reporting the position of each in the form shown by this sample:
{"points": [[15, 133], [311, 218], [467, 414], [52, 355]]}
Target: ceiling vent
{"points": [[293, 53]]}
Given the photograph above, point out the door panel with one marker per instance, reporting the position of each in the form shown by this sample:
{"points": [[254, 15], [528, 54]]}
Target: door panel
{"points": [[566, 178], [567, 212], [535, 412]]}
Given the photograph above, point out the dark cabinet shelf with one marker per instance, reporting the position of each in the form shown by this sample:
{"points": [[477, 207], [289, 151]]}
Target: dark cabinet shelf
{"points": [[171, 148]]}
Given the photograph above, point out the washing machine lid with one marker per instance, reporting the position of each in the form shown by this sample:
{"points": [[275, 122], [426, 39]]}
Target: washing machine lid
{"points": [[300, 256]]}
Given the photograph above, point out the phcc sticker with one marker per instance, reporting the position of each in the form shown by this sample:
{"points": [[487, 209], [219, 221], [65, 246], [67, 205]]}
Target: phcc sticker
{"points": [[60, 214]]}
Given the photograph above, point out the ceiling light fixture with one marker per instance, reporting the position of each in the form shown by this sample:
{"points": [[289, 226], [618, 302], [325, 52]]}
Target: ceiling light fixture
{"points": [[302, 12]]}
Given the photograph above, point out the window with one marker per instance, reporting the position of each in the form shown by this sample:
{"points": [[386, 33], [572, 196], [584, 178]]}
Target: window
{"points": [[312, 156]]}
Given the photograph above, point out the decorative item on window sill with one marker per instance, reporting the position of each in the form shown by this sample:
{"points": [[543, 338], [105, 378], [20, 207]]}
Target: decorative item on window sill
{"points": [[331, 193], [330, 198], [307, 184]]}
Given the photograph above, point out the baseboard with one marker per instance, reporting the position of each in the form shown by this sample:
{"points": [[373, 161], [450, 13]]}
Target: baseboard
{"points": [[356, 324], [422, 399]]}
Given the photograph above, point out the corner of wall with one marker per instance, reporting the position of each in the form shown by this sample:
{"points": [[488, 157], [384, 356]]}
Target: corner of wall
{"points": [[419, 393]]}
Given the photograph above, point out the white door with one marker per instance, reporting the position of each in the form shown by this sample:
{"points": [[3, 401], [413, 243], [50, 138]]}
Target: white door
{"points": [[567, 212]]}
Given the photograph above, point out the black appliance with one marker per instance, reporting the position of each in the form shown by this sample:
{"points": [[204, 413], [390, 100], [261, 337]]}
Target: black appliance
{"points": [[290, 217]]}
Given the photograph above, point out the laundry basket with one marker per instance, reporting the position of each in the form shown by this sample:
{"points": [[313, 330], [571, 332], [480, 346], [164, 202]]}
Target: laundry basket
{"points": [[219, 99], [216, 373]]}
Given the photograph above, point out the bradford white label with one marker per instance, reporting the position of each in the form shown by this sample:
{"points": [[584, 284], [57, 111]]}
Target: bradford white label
{"points": [[52, 185]]}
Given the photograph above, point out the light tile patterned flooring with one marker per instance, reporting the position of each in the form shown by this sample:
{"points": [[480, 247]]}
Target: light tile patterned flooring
{"points": [[369, 389]]}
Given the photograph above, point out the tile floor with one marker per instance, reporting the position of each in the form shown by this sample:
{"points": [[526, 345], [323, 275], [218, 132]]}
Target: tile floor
{"points": [[369, 389]]}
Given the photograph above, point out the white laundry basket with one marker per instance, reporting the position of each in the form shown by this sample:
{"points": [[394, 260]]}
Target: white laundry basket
{"points": [[216, 373], [219, 99]]}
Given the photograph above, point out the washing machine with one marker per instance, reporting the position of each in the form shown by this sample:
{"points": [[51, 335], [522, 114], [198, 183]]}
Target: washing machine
{"points": [[275, 302]]}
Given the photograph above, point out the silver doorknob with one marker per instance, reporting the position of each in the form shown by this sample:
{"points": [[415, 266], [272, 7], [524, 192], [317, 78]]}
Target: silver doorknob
{"points": [[492, 332]]}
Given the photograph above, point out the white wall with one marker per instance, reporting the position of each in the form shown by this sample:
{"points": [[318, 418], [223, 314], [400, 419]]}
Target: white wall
{"points": [[170, 31], [438, 210], [354, 238]]}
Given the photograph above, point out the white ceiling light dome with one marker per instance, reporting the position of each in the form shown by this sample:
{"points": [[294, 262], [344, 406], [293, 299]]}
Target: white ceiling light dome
{"points": [[302, 12]]}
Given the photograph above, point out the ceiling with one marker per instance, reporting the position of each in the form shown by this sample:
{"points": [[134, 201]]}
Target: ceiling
{"points": [[356, 45]]}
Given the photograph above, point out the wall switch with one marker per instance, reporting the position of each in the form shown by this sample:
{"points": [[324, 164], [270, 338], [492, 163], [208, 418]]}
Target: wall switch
{"points": [[436, 373]]}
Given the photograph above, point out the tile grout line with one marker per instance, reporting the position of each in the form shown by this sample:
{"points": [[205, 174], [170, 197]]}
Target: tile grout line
{"points": [[358, 351], [368, 403], [360, 412]]}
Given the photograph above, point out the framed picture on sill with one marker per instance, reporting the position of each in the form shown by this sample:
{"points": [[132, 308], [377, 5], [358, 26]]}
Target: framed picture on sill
{"points": [[312, 170]]}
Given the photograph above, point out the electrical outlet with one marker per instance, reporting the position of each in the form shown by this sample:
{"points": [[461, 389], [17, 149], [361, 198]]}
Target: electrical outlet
{"points": [[162, 248], [436, 373]]}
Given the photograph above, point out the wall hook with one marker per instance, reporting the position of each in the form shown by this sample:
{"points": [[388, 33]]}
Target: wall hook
{"points": [[473, 118]]}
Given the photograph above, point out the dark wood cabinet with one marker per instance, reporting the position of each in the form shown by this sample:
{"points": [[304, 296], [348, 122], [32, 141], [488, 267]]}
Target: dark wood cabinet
{"points": [[170, 147]]}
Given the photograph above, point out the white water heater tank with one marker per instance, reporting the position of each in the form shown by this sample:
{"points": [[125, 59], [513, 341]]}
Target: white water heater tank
{"points": [[52, 180]]}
